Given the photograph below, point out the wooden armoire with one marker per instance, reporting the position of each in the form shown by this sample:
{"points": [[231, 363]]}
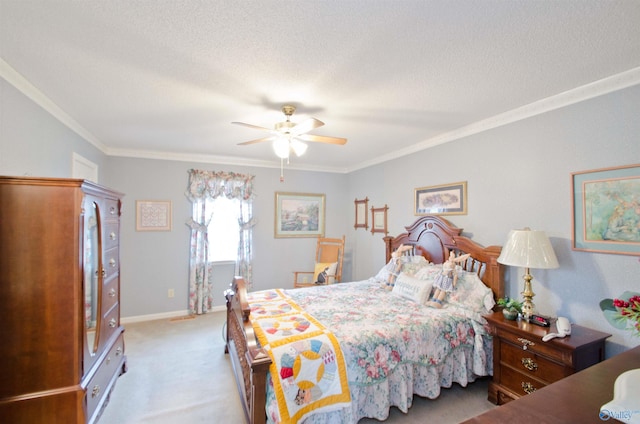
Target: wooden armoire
{"points": [[61, 342]]}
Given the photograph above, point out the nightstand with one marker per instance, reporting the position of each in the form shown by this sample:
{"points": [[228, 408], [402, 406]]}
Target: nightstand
{"points": [[523, 363]]}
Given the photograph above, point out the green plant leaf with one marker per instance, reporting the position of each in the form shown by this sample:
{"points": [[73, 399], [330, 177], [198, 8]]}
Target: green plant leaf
{"points": [[607, 305]]}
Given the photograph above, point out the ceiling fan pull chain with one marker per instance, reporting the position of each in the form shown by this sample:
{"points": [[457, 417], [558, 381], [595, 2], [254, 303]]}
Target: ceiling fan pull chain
{"points": [[281, 170]]}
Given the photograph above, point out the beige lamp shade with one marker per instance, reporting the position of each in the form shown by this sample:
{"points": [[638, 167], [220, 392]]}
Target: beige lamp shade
{"points": [[528, 249]]}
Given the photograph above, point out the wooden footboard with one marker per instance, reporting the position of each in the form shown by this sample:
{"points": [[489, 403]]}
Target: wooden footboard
{"points": [[250, 362]]}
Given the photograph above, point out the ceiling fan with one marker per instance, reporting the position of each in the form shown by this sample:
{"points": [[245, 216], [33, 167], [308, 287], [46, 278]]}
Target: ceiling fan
{"points": [[289, 136]]}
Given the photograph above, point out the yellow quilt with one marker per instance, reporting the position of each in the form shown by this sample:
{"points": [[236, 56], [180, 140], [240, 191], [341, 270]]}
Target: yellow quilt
{"points": [[308, 369]]}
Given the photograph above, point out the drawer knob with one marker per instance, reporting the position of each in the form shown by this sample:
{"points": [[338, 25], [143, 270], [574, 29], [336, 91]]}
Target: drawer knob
{"points": [[112, 262], [112, 292], [118, 351], [112, 235], [112, 210], [525, 343], [112, 323], [528, 387], [96, 391], [529, 364]]}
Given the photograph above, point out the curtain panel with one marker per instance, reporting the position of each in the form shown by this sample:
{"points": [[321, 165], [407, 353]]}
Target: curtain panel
{"points": [[209, 185]]}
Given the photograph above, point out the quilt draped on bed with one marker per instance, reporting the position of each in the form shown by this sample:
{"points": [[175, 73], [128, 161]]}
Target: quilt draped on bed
{"points": [[395, 348], [308, 371]]}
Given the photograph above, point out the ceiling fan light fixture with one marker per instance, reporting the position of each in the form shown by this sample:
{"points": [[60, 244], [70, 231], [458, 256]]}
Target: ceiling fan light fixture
{"points": [[298, 147], [281, 147]]}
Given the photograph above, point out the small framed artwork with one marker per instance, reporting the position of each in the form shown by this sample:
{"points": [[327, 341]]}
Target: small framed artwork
{"points": [[362, 217], [446, 199], [606, 210], [379, 220], [153, 215], [299, 215]]}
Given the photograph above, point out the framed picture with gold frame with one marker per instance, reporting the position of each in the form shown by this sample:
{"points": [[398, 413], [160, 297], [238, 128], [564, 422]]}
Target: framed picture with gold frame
{"points": [[362, 217], [379, 220]]}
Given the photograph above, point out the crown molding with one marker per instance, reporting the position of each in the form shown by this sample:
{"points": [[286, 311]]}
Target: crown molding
{"points": [[595, 89], [579, 94], [25, 87]]}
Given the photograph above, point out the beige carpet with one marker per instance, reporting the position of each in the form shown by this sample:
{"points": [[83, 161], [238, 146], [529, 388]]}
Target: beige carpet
{"points": [[178, 373]]}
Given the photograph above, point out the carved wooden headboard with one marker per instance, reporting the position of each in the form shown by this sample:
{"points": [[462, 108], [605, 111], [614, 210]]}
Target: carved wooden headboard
{"points": [[433, 237]]}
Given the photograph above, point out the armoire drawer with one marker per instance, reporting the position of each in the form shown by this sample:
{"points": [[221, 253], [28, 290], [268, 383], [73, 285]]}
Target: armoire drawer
{"points": [[102, 381], [110, 323], [110, 294], [111, 209], [111, 262], [111, 235]]}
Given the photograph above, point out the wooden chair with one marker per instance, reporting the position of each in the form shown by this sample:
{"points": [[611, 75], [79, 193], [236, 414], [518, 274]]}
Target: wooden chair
{"points": [[328, 250]]}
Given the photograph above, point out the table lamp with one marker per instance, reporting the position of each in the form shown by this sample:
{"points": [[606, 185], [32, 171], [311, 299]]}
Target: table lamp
{"points": [[528, 249]]}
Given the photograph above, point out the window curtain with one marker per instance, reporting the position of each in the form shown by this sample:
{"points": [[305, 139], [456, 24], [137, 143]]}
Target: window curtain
{"points": [[205, 185]]}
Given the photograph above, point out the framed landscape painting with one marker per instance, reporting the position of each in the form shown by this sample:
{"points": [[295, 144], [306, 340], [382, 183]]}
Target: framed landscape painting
{"points": [[606, 210], [299, 215]]}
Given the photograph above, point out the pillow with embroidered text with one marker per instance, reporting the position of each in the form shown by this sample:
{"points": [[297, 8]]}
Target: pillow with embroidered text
{"points": [[412, 288]]}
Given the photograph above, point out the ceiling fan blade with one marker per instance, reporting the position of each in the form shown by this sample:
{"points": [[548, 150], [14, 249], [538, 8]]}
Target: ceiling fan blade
{"points": [[258, 140], [306, 126], [255, 127], [322, 139]]}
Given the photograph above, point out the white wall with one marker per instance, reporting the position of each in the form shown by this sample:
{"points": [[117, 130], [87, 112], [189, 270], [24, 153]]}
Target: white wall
{"points": [[518, 175]]}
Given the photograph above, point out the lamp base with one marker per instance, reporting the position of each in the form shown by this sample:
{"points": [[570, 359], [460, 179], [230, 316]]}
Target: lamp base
{"points": [[528, 307]]}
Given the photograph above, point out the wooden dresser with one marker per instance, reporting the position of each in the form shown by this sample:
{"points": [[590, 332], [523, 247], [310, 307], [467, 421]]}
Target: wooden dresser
{"points": [[62, 343], [523, 363], [575, 399]]}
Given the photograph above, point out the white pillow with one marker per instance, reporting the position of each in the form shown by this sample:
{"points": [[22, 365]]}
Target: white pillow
{"points": [[429, 272], [412, 288], [471, 293]]}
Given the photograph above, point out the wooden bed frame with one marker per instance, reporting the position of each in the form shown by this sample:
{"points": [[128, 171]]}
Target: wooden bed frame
{"points": [[430, 236]]}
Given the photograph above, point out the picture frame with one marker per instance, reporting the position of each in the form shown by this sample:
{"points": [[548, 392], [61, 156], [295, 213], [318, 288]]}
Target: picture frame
{"points": [[379, 220], [445, 199], [299, 215], [153, 215], [362, 217], [606, 210]]}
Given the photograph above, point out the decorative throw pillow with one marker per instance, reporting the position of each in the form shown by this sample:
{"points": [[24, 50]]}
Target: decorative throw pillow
{"points": [[412, 288], [324, 272], [471, 293]]}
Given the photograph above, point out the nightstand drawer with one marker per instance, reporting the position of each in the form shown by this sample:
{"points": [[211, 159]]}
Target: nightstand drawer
{"points": [[519, 383], [530, 363], [527, 342]]}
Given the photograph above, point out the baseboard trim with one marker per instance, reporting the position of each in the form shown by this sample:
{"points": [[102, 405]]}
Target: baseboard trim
{"points": [[164, 315]]}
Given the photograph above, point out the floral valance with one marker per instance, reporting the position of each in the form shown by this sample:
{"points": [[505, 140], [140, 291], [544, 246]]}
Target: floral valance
{"points": [[210, 185]]}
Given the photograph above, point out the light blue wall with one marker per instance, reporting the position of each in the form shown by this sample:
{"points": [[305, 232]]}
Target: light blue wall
{"points": [[518, 175], [33, 142], [153, 262]]}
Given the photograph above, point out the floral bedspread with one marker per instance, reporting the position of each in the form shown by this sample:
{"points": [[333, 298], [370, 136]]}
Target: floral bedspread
{"points": [[394, 347]]}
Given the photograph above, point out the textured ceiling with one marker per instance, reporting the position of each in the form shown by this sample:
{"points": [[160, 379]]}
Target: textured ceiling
{"points": [[166, 78]]}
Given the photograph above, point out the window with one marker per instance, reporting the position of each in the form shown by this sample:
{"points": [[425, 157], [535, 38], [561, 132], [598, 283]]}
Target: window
{"points": [[223, 229]]}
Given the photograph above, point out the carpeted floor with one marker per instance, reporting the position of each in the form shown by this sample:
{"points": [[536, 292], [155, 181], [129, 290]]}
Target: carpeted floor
{"points": [[178, 372]]}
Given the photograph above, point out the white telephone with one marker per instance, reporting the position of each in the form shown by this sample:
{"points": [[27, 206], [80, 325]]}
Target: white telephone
{"points": [[564, 329]]}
